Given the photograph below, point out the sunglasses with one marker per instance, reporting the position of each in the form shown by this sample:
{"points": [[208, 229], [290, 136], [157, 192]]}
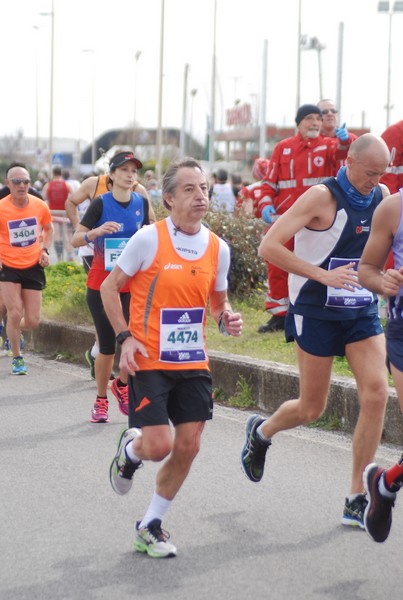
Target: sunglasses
{"points": [[326, 111], [18, 181]]}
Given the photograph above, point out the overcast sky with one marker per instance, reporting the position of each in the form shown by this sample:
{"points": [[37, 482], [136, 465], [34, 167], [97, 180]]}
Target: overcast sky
{"points": [[116, 31]]}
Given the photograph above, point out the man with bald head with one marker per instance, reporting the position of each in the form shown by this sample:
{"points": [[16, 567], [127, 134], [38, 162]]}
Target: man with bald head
{"points": [[26, 234], [330, 314]]}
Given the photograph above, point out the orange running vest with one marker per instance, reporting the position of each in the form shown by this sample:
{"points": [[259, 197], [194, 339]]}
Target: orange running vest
{"points": [[168, 305]]}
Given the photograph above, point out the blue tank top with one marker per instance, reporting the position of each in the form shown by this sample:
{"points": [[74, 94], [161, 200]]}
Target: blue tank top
{"points": [[345, 238], [130, 216]]}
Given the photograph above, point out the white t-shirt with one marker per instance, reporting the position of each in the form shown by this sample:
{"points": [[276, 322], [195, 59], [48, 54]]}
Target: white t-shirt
{"points": [[223, 198]]}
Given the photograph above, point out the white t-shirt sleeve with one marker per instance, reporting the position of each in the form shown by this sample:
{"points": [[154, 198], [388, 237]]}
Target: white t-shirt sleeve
{"points": [[221, 282], [140, 251]]}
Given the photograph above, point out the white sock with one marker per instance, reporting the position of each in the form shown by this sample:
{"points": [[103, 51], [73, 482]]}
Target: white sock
{"points": [[353, 497], [130, 452], [261, 435], [94, 351], [156, 510], [383, 490]]}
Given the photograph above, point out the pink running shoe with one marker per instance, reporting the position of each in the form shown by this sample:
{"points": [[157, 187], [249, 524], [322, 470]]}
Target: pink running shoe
{"points": [[121, 395], [99, 413]]}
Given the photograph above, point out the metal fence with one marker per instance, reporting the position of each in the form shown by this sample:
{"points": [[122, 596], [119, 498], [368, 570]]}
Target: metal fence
{"points": [[62, 249]]}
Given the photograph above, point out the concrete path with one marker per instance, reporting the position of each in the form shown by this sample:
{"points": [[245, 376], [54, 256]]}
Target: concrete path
{"points": [[64, 534]]}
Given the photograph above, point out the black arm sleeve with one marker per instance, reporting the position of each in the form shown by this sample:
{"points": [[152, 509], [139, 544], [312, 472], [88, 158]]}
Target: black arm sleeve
{"points": [[93, 213], [146, 212]]}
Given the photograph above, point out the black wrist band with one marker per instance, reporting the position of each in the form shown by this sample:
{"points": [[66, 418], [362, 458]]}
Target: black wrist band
{"points": [[46, 250], [122, 336]]}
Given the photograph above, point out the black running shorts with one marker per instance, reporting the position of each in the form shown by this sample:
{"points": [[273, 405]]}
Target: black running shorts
{"points": [[157, 397], [32, 278]]}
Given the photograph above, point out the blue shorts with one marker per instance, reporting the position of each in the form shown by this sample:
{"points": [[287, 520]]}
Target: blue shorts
{"points": [[322, 337], [157, 397], [394, 343]]}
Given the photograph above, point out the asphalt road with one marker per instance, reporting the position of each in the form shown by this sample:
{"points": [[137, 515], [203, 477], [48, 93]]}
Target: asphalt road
{"points": [[64, 534]]}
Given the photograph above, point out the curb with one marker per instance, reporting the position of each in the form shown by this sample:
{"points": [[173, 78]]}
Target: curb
{"points": [[271, 383]]}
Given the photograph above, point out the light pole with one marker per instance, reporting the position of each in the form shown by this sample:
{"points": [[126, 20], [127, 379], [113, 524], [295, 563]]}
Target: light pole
{"points": [[93, 145], [387, 7], [182, 139], [52, 69], [36, 28], [211, 157], [158, 153], [136, 60], [299, 56], [313, 43], [193, 93]]}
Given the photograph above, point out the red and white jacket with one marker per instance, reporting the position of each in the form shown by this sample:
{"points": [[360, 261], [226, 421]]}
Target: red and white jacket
{"points": [[296, 164], [393, 137]]}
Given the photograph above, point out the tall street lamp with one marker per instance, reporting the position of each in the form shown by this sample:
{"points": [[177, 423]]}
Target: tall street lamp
{"points": [[158, 152], [52, 69], [387, 7], [136, 59], [193, 93], [36, 28], [211, 156], [313, 43], [93, 143]]}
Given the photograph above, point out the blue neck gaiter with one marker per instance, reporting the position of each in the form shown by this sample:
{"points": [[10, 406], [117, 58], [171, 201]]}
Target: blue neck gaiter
{"points": [[354, 198]]}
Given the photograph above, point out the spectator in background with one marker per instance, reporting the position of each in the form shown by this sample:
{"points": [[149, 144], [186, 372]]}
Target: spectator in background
{"points": [[73, 184], [296, 164], [153, 190], [55, 193], [393, 137], [254, 197], [40, 181], [222, 197], [330, 124], [236, 184], [148, 175]]}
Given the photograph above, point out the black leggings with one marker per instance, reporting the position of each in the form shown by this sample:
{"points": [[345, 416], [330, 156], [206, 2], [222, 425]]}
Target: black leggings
{"points": [[106, 334]]}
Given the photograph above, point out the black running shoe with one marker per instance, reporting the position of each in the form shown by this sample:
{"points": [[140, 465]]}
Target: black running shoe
{"points": [[353, 513], [378, 513], [254, 450]]}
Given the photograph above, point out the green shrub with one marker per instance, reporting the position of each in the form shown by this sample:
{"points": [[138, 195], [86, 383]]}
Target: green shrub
{"points": [[243, 234], [64, 296]]}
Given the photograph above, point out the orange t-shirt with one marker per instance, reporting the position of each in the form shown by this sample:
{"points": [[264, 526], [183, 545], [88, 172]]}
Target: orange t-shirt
{"points": [[21, 230], [168, 306]]}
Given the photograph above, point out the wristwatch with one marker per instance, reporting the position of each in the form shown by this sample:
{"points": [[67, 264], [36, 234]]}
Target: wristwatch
{"points": [[122, 336]]}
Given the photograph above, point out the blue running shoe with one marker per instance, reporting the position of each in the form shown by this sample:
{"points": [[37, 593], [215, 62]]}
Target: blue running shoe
{"points": [[253, 454], [18, 366], [353, 513], [7, 345]]}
